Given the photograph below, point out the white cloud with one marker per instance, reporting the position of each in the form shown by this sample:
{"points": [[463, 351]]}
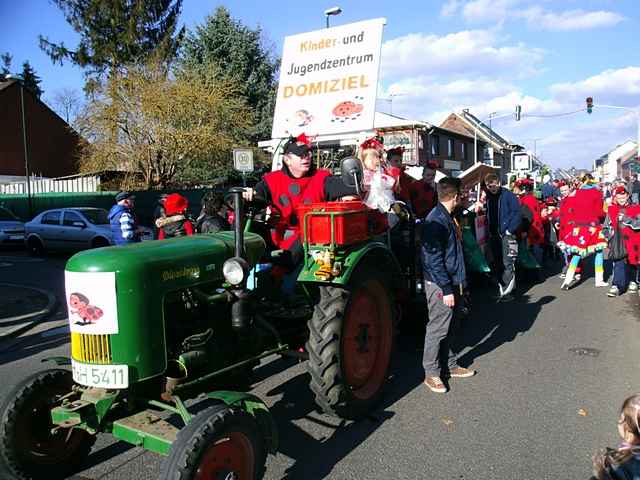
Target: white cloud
{"points": [[470, 52], [569, 20], [538, 18], [450, 7], [617, 87], [488, 10]]}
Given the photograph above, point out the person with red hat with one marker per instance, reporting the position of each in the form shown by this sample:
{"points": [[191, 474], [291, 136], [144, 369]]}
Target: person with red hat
{"points": [[174, 223], [623, 241], [532, 223], [297, 183], [559, 216], [380, 181], [396, 170]]}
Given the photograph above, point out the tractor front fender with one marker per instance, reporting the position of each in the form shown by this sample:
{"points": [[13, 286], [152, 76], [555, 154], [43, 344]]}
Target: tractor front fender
{"points": [[256, 408]]}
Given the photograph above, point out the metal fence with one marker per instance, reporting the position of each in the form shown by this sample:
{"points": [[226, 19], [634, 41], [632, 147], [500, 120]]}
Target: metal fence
{"points": [[49, 185]]}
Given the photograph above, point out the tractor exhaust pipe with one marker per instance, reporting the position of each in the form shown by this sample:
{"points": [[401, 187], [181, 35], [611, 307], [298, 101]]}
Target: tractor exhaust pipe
{"points": [[238, 204]]}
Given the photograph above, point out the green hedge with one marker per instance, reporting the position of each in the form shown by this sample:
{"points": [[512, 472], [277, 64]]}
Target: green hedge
{"points": [[146, 202]]}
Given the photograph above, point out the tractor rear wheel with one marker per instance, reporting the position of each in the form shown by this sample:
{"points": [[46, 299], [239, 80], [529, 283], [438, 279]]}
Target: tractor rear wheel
{"points": [[219, 443], [28, 448], [350, 343]]}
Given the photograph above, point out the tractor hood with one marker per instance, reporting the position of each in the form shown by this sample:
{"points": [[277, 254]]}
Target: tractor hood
{"points": [[168, 263]]}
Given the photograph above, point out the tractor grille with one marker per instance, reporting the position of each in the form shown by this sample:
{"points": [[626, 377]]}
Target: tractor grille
{"points": [[91, 348]]}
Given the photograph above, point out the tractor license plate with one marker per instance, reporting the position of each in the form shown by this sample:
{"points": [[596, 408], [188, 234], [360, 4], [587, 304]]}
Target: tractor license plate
{"points": [[102, 376]]}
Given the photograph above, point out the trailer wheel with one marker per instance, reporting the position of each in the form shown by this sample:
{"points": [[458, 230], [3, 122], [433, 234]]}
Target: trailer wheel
{"points": [[350, 343], [219, 443], [29, 449]]}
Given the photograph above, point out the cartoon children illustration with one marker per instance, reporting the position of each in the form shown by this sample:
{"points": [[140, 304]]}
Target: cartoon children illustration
{"points": [[80, 306]]}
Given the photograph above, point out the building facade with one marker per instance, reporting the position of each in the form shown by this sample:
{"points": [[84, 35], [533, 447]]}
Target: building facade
{"points": [[496, 150], [50, 142]]}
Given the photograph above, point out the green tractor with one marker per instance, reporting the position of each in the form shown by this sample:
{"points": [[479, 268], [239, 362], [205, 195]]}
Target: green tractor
{"points": [[156, 323]]}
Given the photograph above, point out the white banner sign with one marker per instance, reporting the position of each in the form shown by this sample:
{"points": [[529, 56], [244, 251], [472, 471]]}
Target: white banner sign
{"points": [[91, 302], [329, 80]]}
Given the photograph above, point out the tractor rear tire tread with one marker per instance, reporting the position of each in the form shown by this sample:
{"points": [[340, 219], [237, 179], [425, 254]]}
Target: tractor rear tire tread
{"points": [[324, 344], [9, 464]]}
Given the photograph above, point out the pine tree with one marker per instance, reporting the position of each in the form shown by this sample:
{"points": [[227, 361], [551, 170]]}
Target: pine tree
{"points": [[30, 80], [114, 33], [238, 54], [6, 65]]}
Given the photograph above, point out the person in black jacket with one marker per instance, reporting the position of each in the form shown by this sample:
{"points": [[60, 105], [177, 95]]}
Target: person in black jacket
{"points": [[211, 218], [445, 278]]}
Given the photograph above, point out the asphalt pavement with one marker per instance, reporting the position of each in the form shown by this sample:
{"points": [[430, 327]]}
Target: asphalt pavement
{"points": [[553, 369]]}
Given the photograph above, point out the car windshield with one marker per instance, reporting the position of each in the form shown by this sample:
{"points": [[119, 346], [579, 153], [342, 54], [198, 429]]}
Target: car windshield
{"points": [[7, 215], [97, 216]]}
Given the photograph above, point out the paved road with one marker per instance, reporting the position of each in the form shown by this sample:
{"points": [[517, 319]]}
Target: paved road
{"points": [[539, 407]]}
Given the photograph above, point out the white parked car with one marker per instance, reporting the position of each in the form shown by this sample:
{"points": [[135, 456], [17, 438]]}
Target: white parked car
{"points": [[11, 228], [68, 229]]}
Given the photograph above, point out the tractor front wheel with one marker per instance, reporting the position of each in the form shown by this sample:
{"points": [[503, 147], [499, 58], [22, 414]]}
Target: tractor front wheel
{"points": [[29, 449], [218, 443], [350, 343]]}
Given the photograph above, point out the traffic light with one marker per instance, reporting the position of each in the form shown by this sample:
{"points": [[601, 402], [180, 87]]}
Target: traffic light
{"points": [[518, 112], [589, 104]]}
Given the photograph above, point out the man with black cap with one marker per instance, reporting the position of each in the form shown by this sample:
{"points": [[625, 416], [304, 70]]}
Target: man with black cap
{"points": [[123, 222], [297, 183]]}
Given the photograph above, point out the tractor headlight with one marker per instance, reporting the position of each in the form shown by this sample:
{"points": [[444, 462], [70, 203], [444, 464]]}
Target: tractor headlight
{"points": [[235, 270]]}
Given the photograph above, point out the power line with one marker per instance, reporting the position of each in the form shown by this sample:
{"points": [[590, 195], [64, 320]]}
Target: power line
{"points": [[554, 114]]}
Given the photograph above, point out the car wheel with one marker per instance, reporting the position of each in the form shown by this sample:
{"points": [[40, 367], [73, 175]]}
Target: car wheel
{"points": [[35, 247]]}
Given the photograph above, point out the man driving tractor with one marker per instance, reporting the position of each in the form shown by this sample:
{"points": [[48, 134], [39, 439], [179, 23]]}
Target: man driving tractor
{"points": [[297, 183]]}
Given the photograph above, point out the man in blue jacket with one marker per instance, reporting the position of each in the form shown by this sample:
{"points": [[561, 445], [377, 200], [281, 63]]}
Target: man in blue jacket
{"points": [[445, 277], [123, 222], [504, 216]]}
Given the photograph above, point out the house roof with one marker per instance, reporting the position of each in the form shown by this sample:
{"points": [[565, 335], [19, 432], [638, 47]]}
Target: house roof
{"points": [[7, 83]]}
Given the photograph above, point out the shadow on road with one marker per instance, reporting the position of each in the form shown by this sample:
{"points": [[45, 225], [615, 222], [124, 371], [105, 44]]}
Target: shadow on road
{"points": [[30, 345], [494, 324], [316, 457]]}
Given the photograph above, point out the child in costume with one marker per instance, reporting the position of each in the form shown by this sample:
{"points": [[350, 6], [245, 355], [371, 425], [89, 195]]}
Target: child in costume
{"points": [[532, 223], [583, 235], [624, 241], [378, 180], [622, 463], [175, 223]]}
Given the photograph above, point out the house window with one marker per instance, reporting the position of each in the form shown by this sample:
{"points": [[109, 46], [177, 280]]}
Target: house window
{"points": [[450, 147], [464, 151], [435, 145]]}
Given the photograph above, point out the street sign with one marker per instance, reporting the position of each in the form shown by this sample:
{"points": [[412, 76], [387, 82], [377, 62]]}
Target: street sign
{"points": [[243, 159]]}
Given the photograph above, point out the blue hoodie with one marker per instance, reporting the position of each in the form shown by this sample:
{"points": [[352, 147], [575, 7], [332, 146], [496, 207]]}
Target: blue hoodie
{"points": [[123, 225]]}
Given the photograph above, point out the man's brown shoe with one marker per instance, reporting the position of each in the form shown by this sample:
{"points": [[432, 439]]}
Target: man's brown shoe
{"points": [[435, 384], [461, 372]]}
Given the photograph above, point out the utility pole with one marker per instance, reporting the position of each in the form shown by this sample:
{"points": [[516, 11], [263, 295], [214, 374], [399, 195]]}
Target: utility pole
{"points": [[26, 153]]}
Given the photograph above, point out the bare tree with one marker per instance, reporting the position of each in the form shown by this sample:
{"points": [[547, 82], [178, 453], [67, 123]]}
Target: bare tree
{"points": [[67, 103]]}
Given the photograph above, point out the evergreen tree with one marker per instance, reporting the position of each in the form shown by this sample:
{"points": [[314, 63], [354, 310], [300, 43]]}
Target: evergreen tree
{"points": [[114, 33], [238, 54], [30, 80], [6, 65]]}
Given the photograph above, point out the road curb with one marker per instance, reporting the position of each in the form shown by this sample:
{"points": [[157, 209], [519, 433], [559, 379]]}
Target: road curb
{"points": [[31, 319]]}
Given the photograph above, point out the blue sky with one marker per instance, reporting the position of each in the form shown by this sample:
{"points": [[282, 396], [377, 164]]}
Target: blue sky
{"points": [[442, 55]]}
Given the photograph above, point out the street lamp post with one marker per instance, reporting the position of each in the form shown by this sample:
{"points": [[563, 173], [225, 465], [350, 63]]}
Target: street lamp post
{"points": [[332, 12]]}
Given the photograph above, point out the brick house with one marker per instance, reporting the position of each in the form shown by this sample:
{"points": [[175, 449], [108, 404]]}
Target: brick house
{"points": [[496, 151], [51, 143], [424, 142]]}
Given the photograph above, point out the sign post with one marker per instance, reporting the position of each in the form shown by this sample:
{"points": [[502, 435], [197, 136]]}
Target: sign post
{"points": [[243, 162], [329, 80]]}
